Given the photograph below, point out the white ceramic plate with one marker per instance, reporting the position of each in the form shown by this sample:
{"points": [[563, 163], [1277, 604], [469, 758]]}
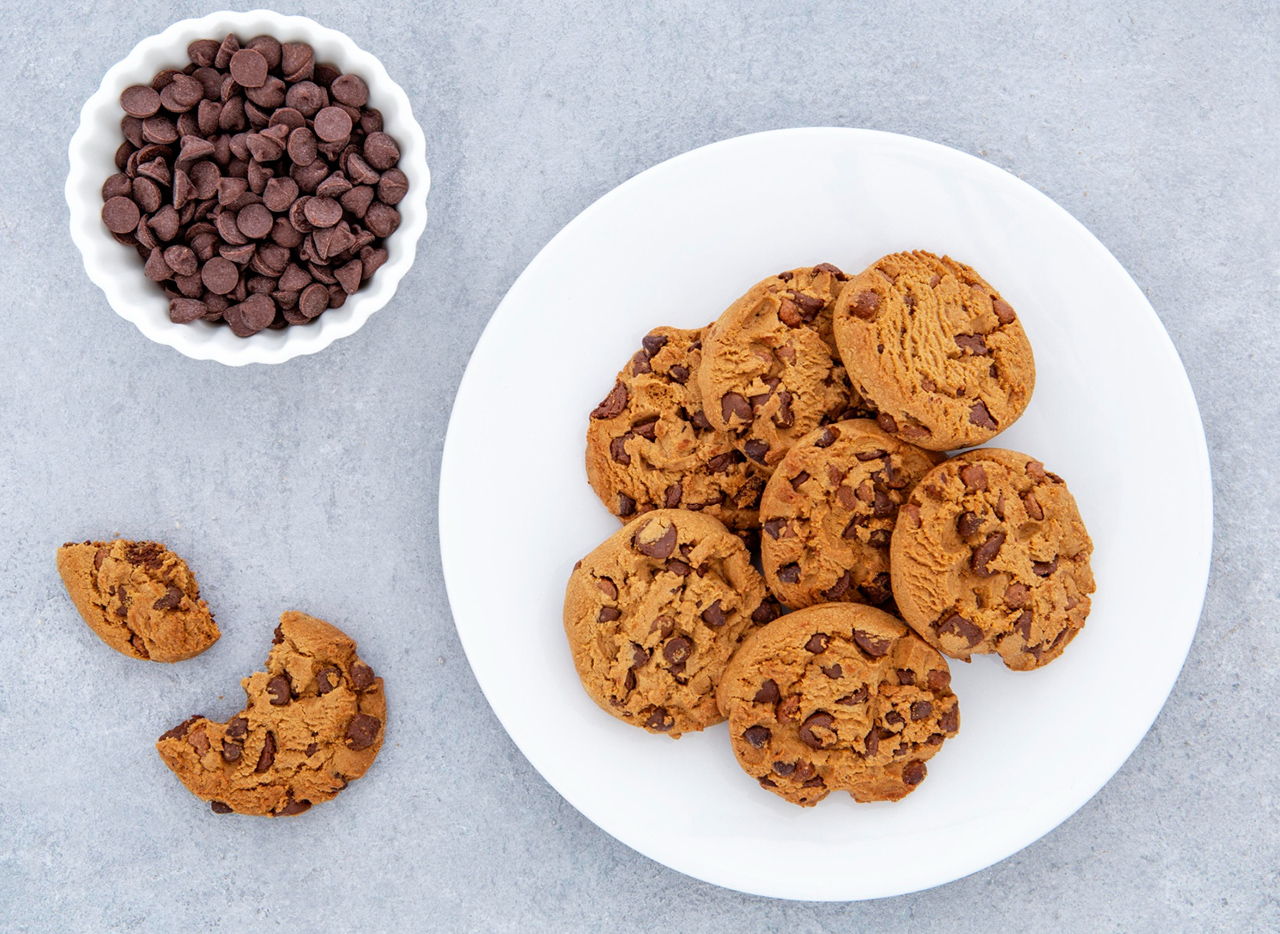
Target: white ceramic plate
{"points": [[1113, 413], [116, 268]]}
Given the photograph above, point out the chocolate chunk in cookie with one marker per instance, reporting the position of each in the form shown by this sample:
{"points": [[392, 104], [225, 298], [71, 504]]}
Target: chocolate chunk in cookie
{"points": [[837, 697], [654, 613], [938, 351], [313, 722], [139, 597], [990, 555], [770, 371], [828, 513], [651, 446]]}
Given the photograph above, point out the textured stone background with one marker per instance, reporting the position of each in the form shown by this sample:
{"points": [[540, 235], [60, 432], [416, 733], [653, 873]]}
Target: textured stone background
{"points": [[314, 484]]}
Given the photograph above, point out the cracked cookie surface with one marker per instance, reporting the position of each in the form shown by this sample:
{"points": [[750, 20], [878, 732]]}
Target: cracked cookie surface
{"points": [[140, 598], [939, 352], [650, 445], [836, 697], [654, 613], [990, 555], [313, 722], [828, 513], [770, 370]]}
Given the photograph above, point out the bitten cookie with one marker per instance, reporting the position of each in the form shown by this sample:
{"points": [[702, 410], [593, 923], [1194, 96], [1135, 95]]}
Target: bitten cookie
{"points": [[139, 597], [654, 613], [829, 510], [770, 373], [837, 697], [314, 722], [936, 349], [650, 445], [990, 555]]}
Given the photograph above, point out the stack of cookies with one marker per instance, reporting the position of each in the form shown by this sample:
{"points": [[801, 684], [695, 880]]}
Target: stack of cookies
{"points": [[791, 456]]}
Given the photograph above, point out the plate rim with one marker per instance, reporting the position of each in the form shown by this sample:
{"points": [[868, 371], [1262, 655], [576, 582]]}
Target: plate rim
{"points": [[1200, 509]]}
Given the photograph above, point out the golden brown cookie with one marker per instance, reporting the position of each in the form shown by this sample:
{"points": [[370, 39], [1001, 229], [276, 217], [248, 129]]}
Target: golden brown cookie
{"points": [[654, 613], [314, 722], [937, 350], [837, 697], [828, 513], [770, 373], [650, 446], [990, 555], [139, 597]]}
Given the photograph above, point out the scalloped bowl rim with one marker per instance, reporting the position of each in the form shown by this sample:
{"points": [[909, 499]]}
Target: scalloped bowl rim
{"points": [[117, 270]]}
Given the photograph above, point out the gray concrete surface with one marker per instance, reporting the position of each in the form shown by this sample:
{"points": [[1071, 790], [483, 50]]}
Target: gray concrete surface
{"points": [[314, 484]]}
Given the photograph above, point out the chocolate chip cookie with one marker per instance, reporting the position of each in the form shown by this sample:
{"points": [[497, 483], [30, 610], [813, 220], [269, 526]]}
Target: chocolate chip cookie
{"points": [[837, 696], [139, 597], [938, 351], [770, 372], [654, 613], [650, 445], [828, 511], [990, 555], [313, 722]]}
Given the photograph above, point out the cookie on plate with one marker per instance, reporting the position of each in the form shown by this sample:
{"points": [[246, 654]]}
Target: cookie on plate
{"points": [[140, 598], [654, 613], [770, 372], [650, 445], [990, 555], [313, 722], [935, 348], [834, 697], [828, 512]]}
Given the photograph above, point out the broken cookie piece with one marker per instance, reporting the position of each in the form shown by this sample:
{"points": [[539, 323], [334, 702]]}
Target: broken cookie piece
{"points": [[313, 722], [139, 597]]}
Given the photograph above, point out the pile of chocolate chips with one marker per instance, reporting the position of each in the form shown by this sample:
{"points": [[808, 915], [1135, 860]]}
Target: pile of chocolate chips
{"points": [[257, 185]]}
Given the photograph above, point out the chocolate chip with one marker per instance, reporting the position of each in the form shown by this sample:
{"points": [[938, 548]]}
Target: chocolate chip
{"points": [[268, 754], [789, 573], [921, 709], [676, 566], [231, 751], [832, 671], [887, 423], [1032, 505], [828, 437], [658, 720], [647, 428], [120, 215], [608, 614], [985, 552], [608, 588], [883, 507], [768, 693], [180, 730], [913, 772], [362, 731], [840, 587], [1023, 625], [871, 742], [880, 538], [1003, 310], [1015, 595], [219, 808], [381, 151], [953, 624], [972, 343], [171, 600], [714, 615], [817, 643], [661, 547], [671, 497], [732, 404], [865, 305], [797, 480], [766, 612], [967, 523], [757, 736], [640, 363], [872, 645], [784, 768], [1045, 568], [327, 679], [677, 650], [291, 806], [773, 527], [756, 450], [950, 721], [816, 721], [613, 403], [361, 676], [249, 68], [979, 416], [974, 477], [280, 691], [626, 505], [238, 728], [906, 676]]}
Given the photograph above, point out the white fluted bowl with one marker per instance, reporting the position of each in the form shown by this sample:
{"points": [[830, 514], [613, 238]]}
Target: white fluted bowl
{"points": [[117, 269]]}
